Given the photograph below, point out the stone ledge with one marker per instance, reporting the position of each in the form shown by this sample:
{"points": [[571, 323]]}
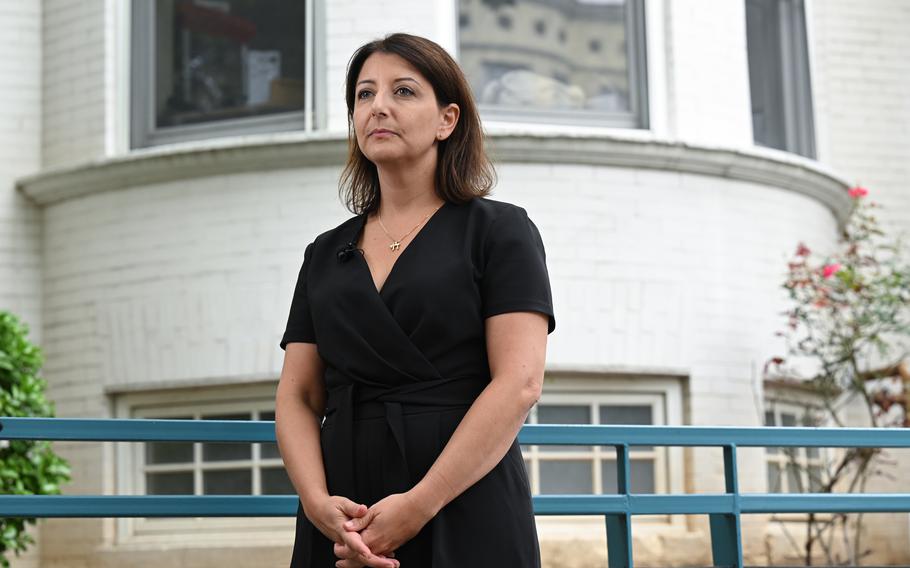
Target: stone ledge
{"points": [[301, 150]]}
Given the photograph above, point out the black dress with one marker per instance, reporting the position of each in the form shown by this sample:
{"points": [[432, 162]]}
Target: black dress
{"points": [[404, 364]]}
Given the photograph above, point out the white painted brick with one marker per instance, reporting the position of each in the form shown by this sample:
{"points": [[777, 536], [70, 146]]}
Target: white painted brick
{"points": [[193, 278]]}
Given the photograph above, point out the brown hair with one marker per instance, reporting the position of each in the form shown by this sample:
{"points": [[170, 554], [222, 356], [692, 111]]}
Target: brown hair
{"points": [[463, 169]]}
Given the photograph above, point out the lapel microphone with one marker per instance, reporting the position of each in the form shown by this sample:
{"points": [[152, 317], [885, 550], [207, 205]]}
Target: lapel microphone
{"points": [[345, 252]]}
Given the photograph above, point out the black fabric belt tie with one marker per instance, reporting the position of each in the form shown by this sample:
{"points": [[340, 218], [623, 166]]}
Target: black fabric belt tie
{"points": [[357, 400]]}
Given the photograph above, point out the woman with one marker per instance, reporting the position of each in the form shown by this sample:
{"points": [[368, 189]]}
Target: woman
{"points": [[418, 331]]}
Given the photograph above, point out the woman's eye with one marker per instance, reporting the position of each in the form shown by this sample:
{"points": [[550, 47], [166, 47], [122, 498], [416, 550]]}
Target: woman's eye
{"points": [[407, 91]]}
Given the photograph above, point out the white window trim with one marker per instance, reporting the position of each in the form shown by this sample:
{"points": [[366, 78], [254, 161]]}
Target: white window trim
{"points": [[134, 131], [596, 455], [138, 532], [216, 531], [780, 398], [669, 471]]}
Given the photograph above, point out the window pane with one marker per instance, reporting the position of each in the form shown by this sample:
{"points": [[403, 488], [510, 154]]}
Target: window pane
{"points": [[546, 55], [608, 477], [641, 470], [812, 421], [794, 483], [227, 482], [773, 478], [275, 481], [168, 452], [627, 415], [222, 451], [770, 421], [563, 414], [227, 59], [178, 483], [642, 476], [564, 476], [815, 478], [781, 96], [268, 450], [787, 419], [524, 447]]}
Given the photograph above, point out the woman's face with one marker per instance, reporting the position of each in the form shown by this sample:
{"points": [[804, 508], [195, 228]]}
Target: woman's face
{"points": [[391, 95]]}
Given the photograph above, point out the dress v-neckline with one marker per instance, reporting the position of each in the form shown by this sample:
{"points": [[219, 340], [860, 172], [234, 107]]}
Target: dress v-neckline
{"points": [[369, 272]]}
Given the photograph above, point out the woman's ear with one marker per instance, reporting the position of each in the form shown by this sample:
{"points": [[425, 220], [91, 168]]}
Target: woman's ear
{"points": [[449, 119]]}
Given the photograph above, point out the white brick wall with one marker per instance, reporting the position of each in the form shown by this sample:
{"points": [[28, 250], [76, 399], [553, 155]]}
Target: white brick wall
{"points": [[193, 279], [20, 120], [862, 89], [73, 94], [20, 220]]}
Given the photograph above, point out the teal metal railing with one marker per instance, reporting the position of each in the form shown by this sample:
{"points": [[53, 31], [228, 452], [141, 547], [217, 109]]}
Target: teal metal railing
{"points": [[724, 509]]}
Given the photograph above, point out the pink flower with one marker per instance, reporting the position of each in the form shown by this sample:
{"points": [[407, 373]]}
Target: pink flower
{"points": [[830, 269], [857, 192], [802, 250]]}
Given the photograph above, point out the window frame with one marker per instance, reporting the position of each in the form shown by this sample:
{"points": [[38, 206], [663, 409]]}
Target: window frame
{"points": [[141, 104], [780, 458], [598, 454], [669, 477], [796, 399], [638, 117], [130, 467], [206, 396]]}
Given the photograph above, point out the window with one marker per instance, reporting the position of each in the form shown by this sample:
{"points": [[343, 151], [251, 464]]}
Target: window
{"points": [[780, 86], [793, 470], [201, 468], [219, 468], [592, 469], [569, 62], [204, 68], [588, 398]]}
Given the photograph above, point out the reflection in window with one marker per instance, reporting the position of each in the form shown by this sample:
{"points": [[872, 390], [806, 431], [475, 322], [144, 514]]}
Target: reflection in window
{"points": [[581, 67], [227, 59]]}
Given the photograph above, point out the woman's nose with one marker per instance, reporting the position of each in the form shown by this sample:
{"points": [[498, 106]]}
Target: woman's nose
{"points": [[378, 106]]}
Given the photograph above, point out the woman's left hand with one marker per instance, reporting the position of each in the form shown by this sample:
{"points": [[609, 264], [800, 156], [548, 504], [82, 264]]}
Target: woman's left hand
{"points": [[391, 522]]}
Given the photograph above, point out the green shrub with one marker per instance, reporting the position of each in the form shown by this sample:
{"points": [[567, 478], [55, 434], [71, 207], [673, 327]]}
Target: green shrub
{"points": [[27, 467]]}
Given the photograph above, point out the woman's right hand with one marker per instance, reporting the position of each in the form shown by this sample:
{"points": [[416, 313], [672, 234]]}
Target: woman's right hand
{"points": [[329, 516]]}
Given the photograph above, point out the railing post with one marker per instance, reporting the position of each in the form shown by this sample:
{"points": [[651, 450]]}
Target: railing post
{"points": [[726, 537], [619, 526]]}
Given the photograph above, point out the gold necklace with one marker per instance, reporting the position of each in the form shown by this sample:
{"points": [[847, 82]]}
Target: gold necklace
{"points": [[396, 243]]}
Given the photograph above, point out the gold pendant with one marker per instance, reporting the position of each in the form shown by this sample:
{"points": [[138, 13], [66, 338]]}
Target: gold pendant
{"points": [[394, 246]]}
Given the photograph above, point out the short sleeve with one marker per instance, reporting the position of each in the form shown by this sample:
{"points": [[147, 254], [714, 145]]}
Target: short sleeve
{"points": [[515, 274], [300, 321]]}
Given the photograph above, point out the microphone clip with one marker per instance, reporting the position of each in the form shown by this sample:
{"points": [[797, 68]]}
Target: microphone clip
{"points": [[345, 252]]}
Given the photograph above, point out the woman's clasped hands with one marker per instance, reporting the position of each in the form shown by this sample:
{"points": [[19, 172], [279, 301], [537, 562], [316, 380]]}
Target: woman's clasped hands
{"points": [[371, 536]]}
